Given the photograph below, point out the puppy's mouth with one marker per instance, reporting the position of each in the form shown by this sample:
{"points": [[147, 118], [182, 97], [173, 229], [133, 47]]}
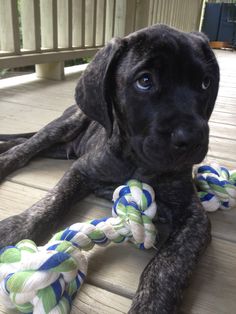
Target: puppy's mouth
{"points": [[165, 158], [191, 156]]}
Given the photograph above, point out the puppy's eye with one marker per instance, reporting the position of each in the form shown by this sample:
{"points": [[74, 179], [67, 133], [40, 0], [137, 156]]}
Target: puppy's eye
{"points": [[144, 83], [206, 83]]}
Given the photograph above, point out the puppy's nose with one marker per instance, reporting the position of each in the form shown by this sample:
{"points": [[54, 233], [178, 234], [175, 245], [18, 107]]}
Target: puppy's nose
{"points": [[181, 139]]}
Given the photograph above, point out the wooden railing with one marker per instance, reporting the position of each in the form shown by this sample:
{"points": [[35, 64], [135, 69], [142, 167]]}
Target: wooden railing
{"points": [[51, 31]]}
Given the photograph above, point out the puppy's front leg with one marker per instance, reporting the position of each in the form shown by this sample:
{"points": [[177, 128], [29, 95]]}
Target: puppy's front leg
{"points": [[36, 222], [167, 274]]}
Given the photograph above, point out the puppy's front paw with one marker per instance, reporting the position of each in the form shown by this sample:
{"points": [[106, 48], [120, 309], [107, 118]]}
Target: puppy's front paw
{"points": [[12, 230]]}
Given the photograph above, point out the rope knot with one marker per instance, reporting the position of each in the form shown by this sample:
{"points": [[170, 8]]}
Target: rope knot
{"points": [[41, 280], [216, 187], [134, 203]]}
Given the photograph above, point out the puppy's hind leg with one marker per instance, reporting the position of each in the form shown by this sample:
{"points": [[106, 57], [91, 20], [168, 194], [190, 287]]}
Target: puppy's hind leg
{"points": [[8, 141], [9, 137], [61, 130], [5, 146]]}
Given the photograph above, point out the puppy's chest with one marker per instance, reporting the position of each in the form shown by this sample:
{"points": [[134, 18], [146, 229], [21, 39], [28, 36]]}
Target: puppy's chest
{"points": [[90, 140]]}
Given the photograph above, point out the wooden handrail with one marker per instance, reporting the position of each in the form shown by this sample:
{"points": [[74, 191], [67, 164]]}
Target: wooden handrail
{"points": [[36, 31]]}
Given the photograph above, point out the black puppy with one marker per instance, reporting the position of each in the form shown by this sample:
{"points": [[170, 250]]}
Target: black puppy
{"points": [[142, 112]]}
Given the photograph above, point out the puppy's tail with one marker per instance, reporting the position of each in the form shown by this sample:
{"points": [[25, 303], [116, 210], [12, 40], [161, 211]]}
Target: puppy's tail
{"points": [[10, 137]]}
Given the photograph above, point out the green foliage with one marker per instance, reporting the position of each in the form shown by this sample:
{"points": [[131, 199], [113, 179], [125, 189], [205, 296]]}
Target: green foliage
{"points": [[3, 72], [77, 61]]}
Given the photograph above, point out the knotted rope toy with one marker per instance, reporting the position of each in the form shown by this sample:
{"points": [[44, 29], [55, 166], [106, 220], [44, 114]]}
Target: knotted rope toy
{"points": [[216, 187], [45, 279]]}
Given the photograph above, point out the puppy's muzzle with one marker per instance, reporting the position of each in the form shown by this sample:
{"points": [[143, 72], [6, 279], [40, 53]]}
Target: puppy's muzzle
{"points": [[183, 139]]}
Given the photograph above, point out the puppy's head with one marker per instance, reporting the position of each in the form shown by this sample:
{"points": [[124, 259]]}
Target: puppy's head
{"points": [[160, 85]]}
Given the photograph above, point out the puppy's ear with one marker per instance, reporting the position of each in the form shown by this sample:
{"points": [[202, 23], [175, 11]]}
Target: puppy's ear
{"points": [[94, 90]]}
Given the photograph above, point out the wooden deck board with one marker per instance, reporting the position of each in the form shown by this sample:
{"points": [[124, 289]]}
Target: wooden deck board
{"points": [[93, 300], [228, 118], [60, 94], [14, 120], [222, 130], [114, 271], [212, 288], [41, 173], [223, 148]]}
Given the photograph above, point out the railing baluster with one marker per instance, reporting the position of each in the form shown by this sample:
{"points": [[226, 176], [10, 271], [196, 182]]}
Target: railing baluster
{"points": [[30, 20], [70, 5], [77, 23], [164, 4], [9, 27], [178, 15], [94, 22], [130, 16], [55, 24], [168, 13], [37, 26], [83, 23], [150, 12], [120, 17], [181, 16], [100, 22], [184, 16], [159, 18], [90, 13], [155, 10], [48, 18], [171, 13], [15, 26], [142, 13], [64, 27], [174, 11], [104, 22], [110, 20]]}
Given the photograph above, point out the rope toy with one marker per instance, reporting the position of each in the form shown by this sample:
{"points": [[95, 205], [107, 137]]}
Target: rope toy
{"points": [[45, 279], [216, 187]]}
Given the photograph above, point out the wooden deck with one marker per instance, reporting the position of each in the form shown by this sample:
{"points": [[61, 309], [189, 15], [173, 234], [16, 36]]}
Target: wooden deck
{"points": [[114, 271]]}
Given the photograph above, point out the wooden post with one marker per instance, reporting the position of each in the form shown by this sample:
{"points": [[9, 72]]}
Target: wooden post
{"points": [[51, 71]]}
